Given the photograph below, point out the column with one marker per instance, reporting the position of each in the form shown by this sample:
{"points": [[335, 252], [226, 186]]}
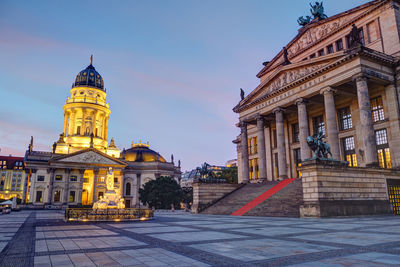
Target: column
{"points": [[245, 152], [103, 126], [138, 183], [66, 115], [32, 188], [83, 122], [66, 186], [96, 172], [106, 129], [24, 190], [71, 123], [280, 138], [50, 195], [367, 129], [304, 131], [261, 149], [79, 197], [331, 122], [268, 148]]}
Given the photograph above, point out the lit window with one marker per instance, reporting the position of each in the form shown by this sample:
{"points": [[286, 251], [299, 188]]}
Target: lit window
{"points": [[378, 113], [58, 177], [38, 196], [383, 150], [57, 195], [73, 178], [297, 161], [72, 196], [251, 169], [345, 119], [256, 172], [349, 151]]}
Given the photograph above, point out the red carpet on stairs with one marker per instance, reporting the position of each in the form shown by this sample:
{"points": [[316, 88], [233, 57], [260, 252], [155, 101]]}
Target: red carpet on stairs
{"points": [[261, 198]]}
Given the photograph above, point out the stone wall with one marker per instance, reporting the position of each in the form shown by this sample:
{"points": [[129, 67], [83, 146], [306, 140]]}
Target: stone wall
{"points": [[205, 194], [333, 189]]}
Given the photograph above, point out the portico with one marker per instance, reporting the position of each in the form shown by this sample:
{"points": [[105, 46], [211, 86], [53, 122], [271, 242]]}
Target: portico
{"points": [[332, 98]]}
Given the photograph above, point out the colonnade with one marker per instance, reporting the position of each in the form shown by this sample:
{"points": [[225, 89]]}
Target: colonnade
{"points": [[367, 136]]}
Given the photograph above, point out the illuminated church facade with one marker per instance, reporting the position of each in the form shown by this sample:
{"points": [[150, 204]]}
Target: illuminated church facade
{"points": [[74, 172]]}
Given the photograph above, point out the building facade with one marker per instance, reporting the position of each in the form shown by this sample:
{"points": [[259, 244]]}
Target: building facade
{"points": [[338, 76], [75, 171], [12, 176]]}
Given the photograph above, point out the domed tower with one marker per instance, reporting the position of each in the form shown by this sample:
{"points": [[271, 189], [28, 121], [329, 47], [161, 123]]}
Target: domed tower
{"points": [[86, 114]]}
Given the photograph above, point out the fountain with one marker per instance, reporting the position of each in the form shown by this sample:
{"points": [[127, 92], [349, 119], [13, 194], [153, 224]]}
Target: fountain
{"points": [[111, 199], [110, 207]]}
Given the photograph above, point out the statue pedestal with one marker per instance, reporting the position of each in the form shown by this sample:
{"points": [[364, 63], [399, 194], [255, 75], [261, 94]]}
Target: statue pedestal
{"points": [[111, 200]]}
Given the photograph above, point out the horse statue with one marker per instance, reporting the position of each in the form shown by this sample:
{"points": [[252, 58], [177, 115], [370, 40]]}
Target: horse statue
{"points": [[320, 149]]}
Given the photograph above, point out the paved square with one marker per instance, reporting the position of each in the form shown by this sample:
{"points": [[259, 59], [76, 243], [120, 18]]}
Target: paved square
{"points": [[42, 238]]}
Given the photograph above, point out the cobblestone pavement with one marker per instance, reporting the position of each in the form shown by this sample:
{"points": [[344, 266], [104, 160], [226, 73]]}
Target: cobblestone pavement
{"points": [[41, 238]]}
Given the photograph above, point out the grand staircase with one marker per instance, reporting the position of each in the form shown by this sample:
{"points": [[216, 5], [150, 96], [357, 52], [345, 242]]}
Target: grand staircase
{"points": [[269, 199]]}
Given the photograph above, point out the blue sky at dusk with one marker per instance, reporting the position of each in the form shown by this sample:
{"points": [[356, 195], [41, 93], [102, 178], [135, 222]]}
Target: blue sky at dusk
{"points": [[172, 69]]}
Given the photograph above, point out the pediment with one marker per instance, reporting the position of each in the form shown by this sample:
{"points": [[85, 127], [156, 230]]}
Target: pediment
{"points": [[315, 32], [89, 156], [286, 75]]}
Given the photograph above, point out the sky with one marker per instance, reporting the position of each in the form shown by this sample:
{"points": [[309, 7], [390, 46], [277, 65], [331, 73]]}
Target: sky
{"points": [[173, 69]]}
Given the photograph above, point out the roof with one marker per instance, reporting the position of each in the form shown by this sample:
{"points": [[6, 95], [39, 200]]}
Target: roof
{"points": [[314, 24], [11, 161]]}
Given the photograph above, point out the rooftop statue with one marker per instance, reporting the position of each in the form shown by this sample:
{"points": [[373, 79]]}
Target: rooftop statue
{"points": [[204, 170], [303, 21], [321, 150], [241, 94], [354, 36], [317, 10]]}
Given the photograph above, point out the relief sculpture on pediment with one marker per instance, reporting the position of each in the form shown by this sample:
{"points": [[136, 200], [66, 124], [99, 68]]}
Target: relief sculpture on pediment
{"points": [[290, 76], [314, 34]]}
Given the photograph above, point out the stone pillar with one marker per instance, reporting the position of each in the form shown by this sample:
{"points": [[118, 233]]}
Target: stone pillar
{"points": [[103, 125], [304, 131], [66, 186], [261, 149], [281, 147], [245, 152], [268, 148], [71, 123], [96, 172], [79, 197], [367, 129], [138, 183], [32, 188], [106, 129], [83, 125], [50, 194], [24, 190], [331, 122], [66, 115]]}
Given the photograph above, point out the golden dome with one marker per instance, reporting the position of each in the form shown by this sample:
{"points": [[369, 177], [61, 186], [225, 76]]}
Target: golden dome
{"points": [[142, 153]]}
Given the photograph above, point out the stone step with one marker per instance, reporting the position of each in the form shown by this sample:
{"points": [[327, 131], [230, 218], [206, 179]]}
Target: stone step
{"points": [[285, 202]]}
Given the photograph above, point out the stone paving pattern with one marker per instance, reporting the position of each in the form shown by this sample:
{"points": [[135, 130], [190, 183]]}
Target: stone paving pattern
{"points": [[42, 238]]}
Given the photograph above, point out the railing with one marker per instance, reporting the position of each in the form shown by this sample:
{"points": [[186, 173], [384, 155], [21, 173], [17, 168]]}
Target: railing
{"points": [[83, 215]]}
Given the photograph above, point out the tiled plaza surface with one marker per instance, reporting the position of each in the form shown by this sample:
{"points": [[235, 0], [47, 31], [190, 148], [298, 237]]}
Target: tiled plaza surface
{"points": [[42, 238]]}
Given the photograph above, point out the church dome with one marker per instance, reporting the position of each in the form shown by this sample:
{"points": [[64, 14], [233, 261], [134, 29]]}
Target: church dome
{"points": [[142, 153], [89, 77]]}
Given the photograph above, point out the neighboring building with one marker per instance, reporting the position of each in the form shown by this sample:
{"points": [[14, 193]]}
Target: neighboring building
{"points": [[231, 163], [74, 172], [332, 77], [12, 177], [188, 176]]}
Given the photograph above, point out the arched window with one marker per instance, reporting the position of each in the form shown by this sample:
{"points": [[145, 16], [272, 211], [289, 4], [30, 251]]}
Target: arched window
{"points": [[128, 189], [78, 130]]}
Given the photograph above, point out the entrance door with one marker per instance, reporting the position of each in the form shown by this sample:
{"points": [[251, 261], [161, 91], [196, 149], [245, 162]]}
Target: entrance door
{"points": [[85, 197], [127, 203]]}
